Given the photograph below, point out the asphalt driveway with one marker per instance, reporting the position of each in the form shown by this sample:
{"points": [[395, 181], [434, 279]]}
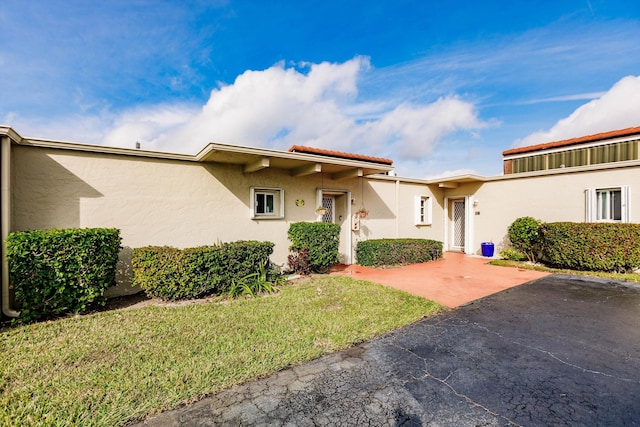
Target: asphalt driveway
{"points": [[557, 351]]}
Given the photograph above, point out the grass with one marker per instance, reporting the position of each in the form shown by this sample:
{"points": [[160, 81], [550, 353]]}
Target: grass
{"points": [[626, 277], [116, 367]]}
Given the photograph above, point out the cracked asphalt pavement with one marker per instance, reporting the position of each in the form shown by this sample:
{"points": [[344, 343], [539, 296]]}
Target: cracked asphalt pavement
{"points": [[558, 351]]}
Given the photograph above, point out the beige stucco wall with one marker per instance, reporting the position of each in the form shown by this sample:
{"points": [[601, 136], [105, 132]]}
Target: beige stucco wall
{"points": [[551, 198], [185, 204], [392, 210], [159, 202]]}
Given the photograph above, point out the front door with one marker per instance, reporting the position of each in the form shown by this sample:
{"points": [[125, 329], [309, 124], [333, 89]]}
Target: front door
{"points": [[329, 202], [337, 203], [458, 222]]}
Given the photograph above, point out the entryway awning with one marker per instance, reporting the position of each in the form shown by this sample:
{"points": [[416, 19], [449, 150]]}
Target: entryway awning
{"points": [[295, 162]]}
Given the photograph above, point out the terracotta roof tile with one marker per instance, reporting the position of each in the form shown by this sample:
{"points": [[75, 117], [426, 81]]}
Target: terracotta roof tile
{"points": [[339, 154], [574, 141]]}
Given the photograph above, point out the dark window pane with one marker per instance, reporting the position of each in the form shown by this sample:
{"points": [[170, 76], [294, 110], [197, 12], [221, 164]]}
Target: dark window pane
{"points": [[616, 205], [260, 203]]}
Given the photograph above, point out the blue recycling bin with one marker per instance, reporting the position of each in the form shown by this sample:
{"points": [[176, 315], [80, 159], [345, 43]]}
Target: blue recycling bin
{"points": [[487, 249]]}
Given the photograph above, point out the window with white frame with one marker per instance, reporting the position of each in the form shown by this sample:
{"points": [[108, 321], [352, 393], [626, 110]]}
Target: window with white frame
{"points": [[267, 203], [423, 210], [608, 204]]}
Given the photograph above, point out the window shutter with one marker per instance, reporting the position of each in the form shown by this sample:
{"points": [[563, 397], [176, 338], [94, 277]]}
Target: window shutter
{"points": [[428, 210], [590, 205], [416, 209], [625, 192]]}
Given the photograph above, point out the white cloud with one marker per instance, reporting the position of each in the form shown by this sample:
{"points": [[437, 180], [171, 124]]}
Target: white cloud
{"points": [[77, 128], [574, 97], [280, 106], [616, 109], [451, 173], [148, 125], [415, 130]]}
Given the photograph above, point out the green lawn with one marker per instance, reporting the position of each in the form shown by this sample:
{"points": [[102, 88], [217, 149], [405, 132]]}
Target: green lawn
{"points": [[119, 366], [626, 277]]}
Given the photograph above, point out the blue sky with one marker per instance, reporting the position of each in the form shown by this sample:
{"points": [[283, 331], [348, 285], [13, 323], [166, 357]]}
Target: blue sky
{"points": [[439, 87]]}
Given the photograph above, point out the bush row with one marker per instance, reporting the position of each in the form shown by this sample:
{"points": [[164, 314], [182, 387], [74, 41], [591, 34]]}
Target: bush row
{"points": [[172, 274], [61, 271], [397, 251], [591, 246], [314, 245], [577, 245]]}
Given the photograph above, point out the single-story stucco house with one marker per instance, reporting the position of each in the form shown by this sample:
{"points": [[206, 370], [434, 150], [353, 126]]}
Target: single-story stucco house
{"points": [[229, 192]]}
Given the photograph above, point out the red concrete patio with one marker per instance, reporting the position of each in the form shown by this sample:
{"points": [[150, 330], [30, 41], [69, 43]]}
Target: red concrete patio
{"points": [[453, 281]]}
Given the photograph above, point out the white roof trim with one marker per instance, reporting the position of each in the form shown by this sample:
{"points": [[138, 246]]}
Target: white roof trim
{"points": [[199, 157]]}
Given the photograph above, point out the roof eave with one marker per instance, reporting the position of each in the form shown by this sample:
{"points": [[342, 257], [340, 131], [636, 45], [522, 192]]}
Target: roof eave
{"points": [[207, 154], [616, 135], [356, 167], [12, 134]]}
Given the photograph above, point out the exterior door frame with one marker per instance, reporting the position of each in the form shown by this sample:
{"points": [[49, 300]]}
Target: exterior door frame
{"points": [[468, 224], [331, 192]]}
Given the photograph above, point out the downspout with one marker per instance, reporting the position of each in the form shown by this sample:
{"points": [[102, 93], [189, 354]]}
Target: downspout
{"points": [[5, 207]]}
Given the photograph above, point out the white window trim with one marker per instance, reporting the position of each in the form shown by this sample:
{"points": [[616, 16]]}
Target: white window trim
{"points": [[591, 205], [428, 210], [278, 214]]}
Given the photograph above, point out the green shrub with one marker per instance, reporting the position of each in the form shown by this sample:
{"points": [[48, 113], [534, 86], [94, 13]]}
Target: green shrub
{"points": [[321, 239], [397, 251], [61, 271], [165, 272], [174, 274], [512, 255], [524, 235], [256, 283], [591, 246]]}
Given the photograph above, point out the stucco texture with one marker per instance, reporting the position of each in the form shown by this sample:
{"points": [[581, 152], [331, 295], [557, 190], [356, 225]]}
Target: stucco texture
{"points": [[181, 203]]}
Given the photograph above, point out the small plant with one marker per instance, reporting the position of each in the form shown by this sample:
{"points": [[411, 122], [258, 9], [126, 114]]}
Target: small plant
{"points": [[362, 212], [511, 255], [321, 210], [250, 286], [299, 262], [524, 234], [253, 284]]}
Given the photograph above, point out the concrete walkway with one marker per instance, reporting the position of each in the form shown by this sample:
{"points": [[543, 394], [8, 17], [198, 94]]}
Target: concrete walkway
{"points": [[453, 281]]}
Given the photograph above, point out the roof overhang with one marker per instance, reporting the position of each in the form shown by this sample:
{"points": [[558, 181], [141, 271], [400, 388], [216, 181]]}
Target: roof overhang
{"points": [[253, 159], [456, 181], [12, 134], [619, 135]]}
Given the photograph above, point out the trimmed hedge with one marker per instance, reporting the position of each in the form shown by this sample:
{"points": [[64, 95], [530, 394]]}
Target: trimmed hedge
{"points": [[321, 239], [61, 271], [591, 246], [524, 234], [397, 251], [173, 274]]}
